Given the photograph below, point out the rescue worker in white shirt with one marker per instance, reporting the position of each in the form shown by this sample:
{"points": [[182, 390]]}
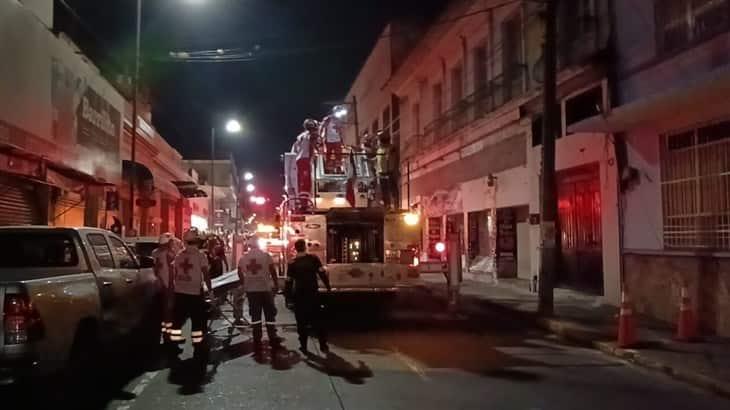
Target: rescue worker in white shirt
{"points": [[257, 273], [191, 272], [330, 131], [304, 147], [163, 257]]}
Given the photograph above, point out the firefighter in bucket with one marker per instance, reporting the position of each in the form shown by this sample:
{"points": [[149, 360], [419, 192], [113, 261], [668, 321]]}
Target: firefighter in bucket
{"points": [[191, 273]]}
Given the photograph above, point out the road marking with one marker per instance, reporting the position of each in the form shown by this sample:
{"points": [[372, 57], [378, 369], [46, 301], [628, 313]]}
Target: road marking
{"points": [[138, 389], [414, 366]]}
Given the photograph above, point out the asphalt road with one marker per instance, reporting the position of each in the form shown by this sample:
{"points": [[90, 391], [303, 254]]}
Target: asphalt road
{"points": [[391, 355]]}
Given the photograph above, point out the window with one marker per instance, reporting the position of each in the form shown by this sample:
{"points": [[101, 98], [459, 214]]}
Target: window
{"points": [[584, 105], [124, 258], [457, 84], [416, 118], [37, 250], [512, 67], [480, 67], [682, 22], [395, 124], [386, 118], [101, 250], [480, 80], [459, 106], [438, 101], [695, 175]]}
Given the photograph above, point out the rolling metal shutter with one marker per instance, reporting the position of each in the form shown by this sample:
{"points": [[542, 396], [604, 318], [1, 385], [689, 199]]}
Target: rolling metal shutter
{"points": [[17, 203]]}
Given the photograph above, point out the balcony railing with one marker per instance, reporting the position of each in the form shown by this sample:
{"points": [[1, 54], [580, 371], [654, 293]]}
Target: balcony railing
{"points": [[473, 107]]}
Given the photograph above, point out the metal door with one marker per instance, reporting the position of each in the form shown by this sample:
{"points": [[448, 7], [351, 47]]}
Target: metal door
{"points": [[579, 224]]}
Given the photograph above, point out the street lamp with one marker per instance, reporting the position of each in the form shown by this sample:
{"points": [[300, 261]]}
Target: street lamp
{"points": [[248, 176], [340, 112], [233, 126], [250, 188]]}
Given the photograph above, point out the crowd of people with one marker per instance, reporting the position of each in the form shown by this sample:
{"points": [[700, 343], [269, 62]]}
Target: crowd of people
{"points": [[325, 139], [186, 275]]}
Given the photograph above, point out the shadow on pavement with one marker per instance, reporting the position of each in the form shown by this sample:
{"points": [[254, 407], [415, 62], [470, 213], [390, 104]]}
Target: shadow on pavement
{"points": [[335, 366]]}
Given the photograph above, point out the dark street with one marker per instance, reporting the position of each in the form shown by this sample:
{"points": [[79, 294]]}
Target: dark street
{"points": [[395, 360]]}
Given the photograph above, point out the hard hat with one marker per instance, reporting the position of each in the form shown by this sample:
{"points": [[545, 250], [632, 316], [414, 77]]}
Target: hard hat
{"points": [[191, 235], [310, 124], [165, 238]]}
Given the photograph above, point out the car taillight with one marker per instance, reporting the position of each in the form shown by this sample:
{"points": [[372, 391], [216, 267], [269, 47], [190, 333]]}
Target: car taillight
{"points": [[22, 322]]}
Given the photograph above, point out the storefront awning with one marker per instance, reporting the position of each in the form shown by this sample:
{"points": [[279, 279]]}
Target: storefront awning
{"points": [[189, 189], [701, 100], [142, 172], [56, 172]]}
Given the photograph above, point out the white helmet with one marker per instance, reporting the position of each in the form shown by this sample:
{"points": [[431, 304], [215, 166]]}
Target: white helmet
{"points": [[191, 235], [165, 238]]}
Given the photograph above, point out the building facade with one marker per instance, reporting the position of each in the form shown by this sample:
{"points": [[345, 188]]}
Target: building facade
{"points": [[672, 120], [225, 181], [471, 105], [65, 136]]}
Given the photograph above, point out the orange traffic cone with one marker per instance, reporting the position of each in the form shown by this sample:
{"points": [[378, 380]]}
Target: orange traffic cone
{"points": [[626, 323], [687, 322]]}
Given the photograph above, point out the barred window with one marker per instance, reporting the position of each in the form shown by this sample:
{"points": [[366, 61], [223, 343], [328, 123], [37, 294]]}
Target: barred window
{"points": [[695, 173]]}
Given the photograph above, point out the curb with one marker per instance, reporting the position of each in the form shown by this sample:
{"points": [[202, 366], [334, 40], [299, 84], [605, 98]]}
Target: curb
{"points": [[591, 337]]}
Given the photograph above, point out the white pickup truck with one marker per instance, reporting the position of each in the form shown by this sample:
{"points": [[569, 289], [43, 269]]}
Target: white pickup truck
{"points": [[65, 293]]}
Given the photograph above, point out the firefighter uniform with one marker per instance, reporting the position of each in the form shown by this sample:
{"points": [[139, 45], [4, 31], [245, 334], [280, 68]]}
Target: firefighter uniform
{"points": [[191, 270], [164, 257], [255, 269]]}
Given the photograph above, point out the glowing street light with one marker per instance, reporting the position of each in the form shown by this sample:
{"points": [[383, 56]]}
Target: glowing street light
{"points": [[250, 188], [248, 176], [233, 126], [340, 112]]}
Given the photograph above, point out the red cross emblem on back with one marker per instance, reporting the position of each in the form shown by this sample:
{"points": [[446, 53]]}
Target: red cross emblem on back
{"points": [[253, 267], [186, 266]]}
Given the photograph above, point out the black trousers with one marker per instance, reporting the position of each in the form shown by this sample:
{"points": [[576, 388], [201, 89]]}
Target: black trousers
{"points": [[258, 302], [191, 307], [310, 318]]}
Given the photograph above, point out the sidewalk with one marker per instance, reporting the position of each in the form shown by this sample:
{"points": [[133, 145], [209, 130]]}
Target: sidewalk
{"points": [[585, 320]]}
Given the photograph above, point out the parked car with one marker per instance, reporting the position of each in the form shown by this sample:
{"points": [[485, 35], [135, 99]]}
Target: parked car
{"points": [[68, 292], [143, 245]]}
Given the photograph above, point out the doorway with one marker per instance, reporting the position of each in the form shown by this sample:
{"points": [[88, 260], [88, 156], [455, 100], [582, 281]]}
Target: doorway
{"points": [[579, 229]]}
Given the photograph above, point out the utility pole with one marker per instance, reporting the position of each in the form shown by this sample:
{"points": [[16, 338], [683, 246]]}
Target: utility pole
{"points": [[549, 205], [211, 213], [135, 92], [355, 119]]}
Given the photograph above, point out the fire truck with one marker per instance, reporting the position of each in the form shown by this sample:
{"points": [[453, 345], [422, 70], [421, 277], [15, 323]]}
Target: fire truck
{"points": [[364, 246]]}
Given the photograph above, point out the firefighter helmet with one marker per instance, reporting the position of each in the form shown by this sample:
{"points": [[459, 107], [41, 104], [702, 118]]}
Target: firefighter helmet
{"points": [[310, 124]]}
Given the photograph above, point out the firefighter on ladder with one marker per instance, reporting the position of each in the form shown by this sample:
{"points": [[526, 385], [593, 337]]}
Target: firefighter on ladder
{"points": [[191, 273], [331, 132], [305, 147]]}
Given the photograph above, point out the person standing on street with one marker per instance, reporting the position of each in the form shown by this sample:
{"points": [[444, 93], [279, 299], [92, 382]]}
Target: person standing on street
{"points": [[191, 272], [302, 276], [164, 256], [257, 274]]}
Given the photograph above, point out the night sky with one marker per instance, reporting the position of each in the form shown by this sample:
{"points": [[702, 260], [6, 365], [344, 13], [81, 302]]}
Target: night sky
{"points": [[305, 53]]}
